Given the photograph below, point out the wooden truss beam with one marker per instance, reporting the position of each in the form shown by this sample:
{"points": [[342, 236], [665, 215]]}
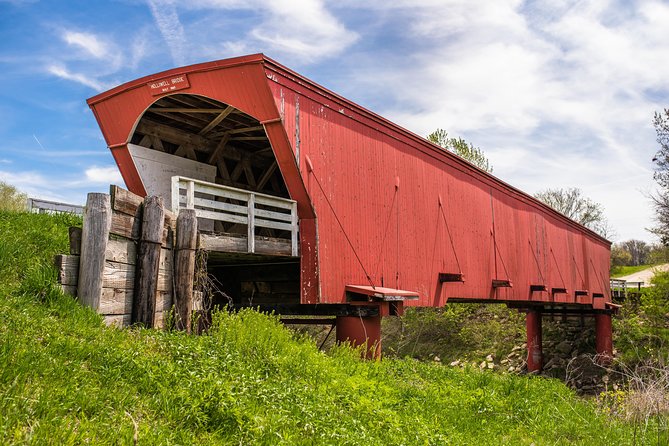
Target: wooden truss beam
{"points": [[221, 116]]}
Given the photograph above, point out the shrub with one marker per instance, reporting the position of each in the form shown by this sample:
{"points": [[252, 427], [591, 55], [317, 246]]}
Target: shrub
{"points": [[11, 199]]}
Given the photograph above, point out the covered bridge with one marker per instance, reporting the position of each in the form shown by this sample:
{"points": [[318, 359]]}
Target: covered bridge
{"points": [[311, 204]]}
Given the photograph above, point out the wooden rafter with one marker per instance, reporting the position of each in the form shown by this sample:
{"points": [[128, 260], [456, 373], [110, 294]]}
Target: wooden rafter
{"points": [[248, 172], [267, 175], [157, 143], [187, 110], [245, 129], [196, 121], [237, 171], [186, 150], [172, 134], [223, 170], [249, 138], [219, 148], [145, 141], [221, 116]]}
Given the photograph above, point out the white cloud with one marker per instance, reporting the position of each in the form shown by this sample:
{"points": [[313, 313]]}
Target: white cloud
{"points": [[167, 19], [88, 42], [103, 175], [64, 73], [557, 95], [71, 188], [304, 30]]}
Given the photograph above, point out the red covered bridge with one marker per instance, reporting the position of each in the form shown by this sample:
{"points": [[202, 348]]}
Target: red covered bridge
{"points": [[311, 204]]}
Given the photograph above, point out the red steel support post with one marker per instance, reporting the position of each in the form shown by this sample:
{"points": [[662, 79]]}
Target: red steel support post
{"points": [[534, 351], [603, 338], [359, 331]]}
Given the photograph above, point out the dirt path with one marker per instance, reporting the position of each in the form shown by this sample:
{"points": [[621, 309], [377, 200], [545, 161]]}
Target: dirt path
{"points": [[646, 274]]}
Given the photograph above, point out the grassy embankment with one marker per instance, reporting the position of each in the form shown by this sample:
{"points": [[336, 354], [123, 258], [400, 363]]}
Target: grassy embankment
{"points": [[624, 270], [65, 378]]}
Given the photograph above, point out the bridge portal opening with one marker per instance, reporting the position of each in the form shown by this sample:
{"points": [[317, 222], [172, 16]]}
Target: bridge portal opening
{"points": [[203, 154]]}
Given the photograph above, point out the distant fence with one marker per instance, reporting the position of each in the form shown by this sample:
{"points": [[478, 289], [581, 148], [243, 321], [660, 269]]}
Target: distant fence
{"points": [[45, 206]]}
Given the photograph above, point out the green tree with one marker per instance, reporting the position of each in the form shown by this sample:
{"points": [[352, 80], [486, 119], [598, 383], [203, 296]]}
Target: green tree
{"points": [[572, 204], [461, 148], [11, 199], [620, 256], [638, 250], [661, 175]]}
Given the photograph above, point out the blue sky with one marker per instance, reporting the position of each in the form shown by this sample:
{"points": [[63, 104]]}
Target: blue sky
{"points": [[557, 94]]}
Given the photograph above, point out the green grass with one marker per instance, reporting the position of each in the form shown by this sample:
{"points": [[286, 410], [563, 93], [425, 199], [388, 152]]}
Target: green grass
{"points": [[466, 332], [65, 378], [620, 271]]}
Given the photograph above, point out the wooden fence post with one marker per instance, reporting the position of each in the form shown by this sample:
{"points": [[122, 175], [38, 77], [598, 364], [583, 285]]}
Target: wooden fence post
{"points": [[184, 268], [148, 261], [94, 237]]}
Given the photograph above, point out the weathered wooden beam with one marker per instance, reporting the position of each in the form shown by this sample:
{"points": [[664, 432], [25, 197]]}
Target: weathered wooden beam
{"points": [[266, 175], [146, 141], [239, 243], [125, 251], [217, 120], [188, 110], [157, 143], [122, 275], [245, 129], [119, 301], [220, 147], [187, 150], [126, 226], [94, 237], [248, 172], [68, 269], [223, 170], [184, 268], [74, 233], [125, 201], [237, 171], [148, 262], [172, 134], [249, 138]]}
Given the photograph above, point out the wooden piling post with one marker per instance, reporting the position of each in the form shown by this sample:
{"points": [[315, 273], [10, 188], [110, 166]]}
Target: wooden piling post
{"points": [[148, 261], [94, 237], [184, 268], [534, 347]]}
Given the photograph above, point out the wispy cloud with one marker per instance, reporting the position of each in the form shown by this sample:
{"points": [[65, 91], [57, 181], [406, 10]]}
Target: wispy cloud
{"points": [[70, 188], [63, 73], [557, 95], [88, 42], [103, 175], [303, 30], [167, 19]]}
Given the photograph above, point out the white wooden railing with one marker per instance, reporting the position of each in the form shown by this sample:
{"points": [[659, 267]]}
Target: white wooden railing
{"points": [[200, 195], [36, 205]]}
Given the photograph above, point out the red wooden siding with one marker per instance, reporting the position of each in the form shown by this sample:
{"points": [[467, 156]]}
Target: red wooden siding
{"points": [[399, 236]]}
